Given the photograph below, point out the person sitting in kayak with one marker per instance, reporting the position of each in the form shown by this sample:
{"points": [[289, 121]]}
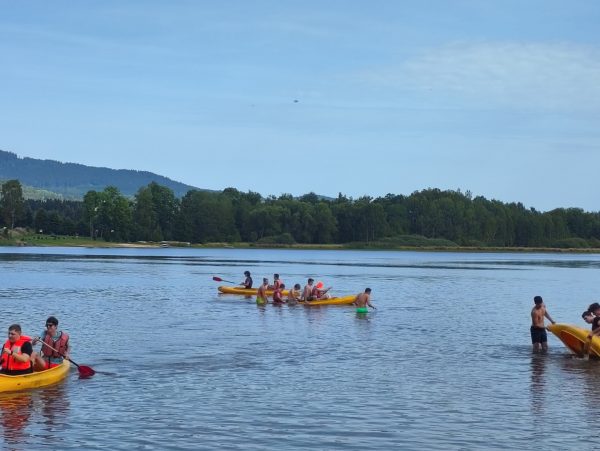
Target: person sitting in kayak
{"points": [[321, 293], [277, 282], [16, 353], [307, 293], [53, 338], [261, 294], [247, 283], [294, 295], [594, 309], [363, 300], [278, 294]]}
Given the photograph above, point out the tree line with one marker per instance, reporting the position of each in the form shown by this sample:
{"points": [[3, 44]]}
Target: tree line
{"points": [[427, 217]]}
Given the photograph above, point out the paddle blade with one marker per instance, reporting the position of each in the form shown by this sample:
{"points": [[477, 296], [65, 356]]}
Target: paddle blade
{"points": [[85, 371], [217, 279]]}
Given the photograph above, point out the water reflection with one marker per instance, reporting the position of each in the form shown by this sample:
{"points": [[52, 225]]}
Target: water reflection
{"points": [[15, 411], [538, 382]]}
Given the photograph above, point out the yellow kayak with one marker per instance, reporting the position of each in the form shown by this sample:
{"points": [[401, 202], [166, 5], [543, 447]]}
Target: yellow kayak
{"points": [[245, 291], [343, 300], [575, 338], [34, 380]]}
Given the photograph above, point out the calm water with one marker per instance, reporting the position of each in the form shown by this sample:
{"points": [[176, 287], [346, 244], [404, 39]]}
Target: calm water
{"points": [[444, 363]]}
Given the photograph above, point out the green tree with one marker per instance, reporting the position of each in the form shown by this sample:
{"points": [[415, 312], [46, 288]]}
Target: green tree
{"points": [[11, 202]]}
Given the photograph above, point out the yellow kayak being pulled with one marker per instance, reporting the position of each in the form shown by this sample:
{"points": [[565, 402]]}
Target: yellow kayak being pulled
{"points": [[575, 338], [245, 291], [342, 300], [34, 380]]}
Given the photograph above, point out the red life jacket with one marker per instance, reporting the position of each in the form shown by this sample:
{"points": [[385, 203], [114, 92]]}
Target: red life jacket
{"points": [[8, 361], [315, 292], [61, 345]]}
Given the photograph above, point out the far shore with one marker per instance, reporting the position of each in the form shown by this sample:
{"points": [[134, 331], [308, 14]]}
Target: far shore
{"points": [[63, 241]]}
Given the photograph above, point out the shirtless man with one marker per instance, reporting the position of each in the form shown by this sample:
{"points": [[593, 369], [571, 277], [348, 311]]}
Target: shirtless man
{"points": [[363, 300], [307, 293], [261, 294], [539, 339], [593, 319]]}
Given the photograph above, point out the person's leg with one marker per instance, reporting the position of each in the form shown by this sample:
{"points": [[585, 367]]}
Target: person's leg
{"points": [[39, 363]]}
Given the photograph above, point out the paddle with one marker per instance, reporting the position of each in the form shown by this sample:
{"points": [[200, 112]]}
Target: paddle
{"points": [[218, 279], [84, 371]]}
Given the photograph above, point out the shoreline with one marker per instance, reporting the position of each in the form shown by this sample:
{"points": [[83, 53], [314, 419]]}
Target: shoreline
{"points": [[27, 241]]}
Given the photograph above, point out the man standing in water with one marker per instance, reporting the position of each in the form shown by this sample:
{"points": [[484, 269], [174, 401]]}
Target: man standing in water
{"points": [[363, 300], [539, 339]]}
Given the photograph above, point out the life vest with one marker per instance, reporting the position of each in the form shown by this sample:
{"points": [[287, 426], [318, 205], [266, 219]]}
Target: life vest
{"points": [[315, 292], [8, 361], [61, 345], [277, 283]]}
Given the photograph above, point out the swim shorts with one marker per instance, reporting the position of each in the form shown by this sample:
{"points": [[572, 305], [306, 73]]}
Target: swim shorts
{"points": [[538, 335], [362, 310]]}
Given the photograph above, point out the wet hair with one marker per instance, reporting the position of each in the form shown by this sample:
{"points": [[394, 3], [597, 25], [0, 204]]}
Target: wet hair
{"points": [[311, 280], [276, 276], [367, 290], [297, 286], [282, 285], [247, 273], [265, 280], [586, 314], [538, 300], [52, 320], [593, 307], [15, 327]]}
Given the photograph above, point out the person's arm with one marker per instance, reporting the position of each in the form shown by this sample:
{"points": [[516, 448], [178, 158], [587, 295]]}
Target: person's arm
{"points": [[25, 355], [369, 303], [547, 315]]}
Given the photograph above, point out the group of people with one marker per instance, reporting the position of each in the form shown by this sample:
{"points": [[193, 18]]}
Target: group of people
{"points": [[539, 338], [18, 356], [311, 292]]}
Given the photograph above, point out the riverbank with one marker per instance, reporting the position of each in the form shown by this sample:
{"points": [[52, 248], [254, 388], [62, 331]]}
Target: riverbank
{"points": [[21, 239]]}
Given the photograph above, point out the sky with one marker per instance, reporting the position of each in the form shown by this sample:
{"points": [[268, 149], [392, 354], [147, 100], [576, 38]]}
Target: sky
{"points": [[363, 98]]}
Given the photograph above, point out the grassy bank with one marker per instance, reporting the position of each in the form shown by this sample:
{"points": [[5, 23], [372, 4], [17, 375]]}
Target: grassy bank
{"points": [[22, 238]]}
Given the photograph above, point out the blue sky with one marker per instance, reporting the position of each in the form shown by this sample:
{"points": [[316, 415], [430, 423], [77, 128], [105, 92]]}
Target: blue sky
{"points": [[501, 98]]}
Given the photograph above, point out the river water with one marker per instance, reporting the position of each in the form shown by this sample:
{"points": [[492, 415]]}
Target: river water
{"points": [[444, 362]]}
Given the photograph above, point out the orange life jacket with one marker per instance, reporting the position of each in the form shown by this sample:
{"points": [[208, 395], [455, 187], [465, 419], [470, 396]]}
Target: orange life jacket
{"points": [[61, 345], [8, 361]]}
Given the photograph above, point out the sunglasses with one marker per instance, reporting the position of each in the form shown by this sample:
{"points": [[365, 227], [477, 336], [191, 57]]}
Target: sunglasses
{"points": [[50, 325]]}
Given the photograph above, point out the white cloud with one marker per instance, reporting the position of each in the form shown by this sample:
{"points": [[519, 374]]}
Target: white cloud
{"points": [[526, 75]]}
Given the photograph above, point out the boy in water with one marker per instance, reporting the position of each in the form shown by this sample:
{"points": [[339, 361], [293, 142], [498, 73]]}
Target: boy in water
{"points": [[363, 300], [278, 294], [539, 339], [261, 294]]}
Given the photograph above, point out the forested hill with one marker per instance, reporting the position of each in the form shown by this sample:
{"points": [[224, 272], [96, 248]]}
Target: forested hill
{"points": [[73, 180]]}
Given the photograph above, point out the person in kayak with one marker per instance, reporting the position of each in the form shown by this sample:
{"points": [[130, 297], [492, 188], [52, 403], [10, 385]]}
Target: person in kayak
{"points": [[539, 339], [321, 293], [51, 336], [247, 283], [307, 293], [295, 294], [277, 282], [363, 300], [278, 294], [16, 353], [261, 294], [594, 310]]}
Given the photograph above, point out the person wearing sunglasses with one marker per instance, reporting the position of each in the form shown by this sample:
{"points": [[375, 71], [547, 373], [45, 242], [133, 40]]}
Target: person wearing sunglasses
{"points": [[51, 337], [16, 352]]}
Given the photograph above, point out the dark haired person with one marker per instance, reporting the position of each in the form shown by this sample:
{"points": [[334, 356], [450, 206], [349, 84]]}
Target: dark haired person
{"points": [[307, 293], [261, 293], [247, 283], [594, 309], [277, 282], [363, 300], [16, 353], [51, 337], [539, 338], [278, 294]]}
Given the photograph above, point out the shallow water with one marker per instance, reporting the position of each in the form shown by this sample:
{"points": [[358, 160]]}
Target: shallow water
{"points": [[444, 362]]}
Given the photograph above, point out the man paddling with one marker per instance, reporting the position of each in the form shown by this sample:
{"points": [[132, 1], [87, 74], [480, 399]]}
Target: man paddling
{"points": [[247, 283], [539, 338], [53, 338]]}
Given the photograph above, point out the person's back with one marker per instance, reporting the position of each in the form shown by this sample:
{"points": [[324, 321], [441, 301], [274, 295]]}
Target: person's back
{"points": [[308, 290], [539, 338], [362, 300], [261, 294]]}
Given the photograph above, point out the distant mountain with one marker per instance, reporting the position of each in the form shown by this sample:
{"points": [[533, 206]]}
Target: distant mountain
{"points": [[72, 180]]}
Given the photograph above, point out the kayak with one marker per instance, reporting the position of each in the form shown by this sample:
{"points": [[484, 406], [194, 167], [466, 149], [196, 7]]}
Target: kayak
{"points": [[575, 338], [343, 300], [34, 380], [245, 291]]}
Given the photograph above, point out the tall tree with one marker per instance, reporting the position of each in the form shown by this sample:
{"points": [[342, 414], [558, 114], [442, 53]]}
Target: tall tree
{"points": [[11, 202]]}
